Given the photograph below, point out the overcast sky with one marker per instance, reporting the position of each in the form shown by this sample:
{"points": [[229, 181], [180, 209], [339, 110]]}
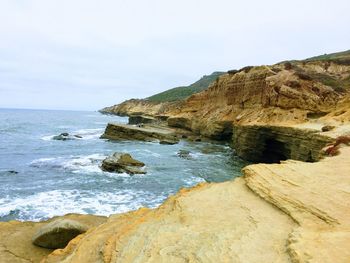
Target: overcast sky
{"points": [[87, 54]]}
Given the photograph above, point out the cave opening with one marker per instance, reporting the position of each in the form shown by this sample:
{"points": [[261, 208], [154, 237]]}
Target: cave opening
{"points": [[274, 151]]}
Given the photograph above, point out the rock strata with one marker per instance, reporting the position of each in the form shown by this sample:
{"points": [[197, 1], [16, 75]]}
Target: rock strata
{"points": [[269, 144], [116, 131], [140, 119]]}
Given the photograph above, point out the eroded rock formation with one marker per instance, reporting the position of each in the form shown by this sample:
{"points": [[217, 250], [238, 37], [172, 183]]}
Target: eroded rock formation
{"points": [[115, 131], [289, 212], [270, 144]]}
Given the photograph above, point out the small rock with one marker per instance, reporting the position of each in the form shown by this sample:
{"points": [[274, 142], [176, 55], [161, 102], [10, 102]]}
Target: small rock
{"points": [[168, 141], [58, 233], [122, 163], [66, 136], [184, 154], [327, 128]]}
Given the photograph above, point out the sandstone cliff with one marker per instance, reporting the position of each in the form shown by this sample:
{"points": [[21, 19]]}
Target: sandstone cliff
{"points": [[283, 94], [289, 212]]}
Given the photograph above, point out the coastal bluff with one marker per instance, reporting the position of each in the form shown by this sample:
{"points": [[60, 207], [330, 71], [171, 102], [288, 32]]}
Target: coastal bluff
{"points": [[292, 205]]}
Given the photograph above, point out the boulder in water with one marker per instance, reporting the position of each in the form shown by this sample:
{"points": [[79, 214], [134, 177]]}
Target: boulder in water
{"points": [[122, 163], [184, 154], [58, 233], [169, 141], [66, 136]]}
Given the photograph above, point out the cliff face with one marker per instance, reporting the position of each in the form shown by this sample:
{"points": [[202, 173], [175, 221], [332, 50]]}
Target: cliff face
{"points": [[140, 107], [283, 94], [264, 95], [270, 144]]}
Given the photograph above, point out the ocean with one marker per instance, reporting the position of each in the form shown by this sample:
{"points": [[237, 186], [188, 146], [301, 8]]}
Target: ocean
{"points": [[41, 177]]}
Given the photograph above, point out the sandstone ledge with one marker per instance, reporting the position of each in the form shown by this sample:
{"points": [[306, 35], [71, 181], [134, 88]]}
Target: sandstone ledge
{"points": [[116, 131], [289, 212]]}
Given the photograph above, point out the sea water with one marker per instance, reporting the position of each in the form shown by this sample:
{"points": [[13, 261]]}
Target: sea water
{"points": [[41, 177]]}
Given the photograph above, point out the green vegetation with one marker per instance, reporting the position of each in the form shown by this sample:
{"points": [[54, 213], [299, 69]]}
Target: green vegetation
{"points": [[344, 55], [181, 93]]}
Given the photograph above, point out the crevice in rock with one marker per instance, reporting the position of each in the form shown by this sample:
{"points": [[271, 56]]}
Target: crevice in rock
{"points": [[274, 151]]}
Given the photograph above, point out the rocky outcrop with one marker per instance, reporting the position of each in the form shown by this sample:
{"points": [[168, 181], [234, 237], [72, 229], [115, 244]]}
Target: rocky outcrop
{"points": [[58, 233], [270, 144], [140, 107], [16, 238], [115, 131], [316, 197], [141, 119], [122, 163], [273, 95], [233, 221], [261, 95]]}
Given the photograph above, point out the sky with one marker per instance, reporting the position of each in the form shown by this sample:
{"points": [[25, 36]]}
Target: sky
{"points": [[88, 54]]}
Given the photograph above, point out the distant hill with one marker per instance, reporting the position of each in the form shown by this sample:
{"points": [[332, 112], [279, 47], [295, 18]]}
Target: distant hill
{"points": [[339, 56], [181, 93]]}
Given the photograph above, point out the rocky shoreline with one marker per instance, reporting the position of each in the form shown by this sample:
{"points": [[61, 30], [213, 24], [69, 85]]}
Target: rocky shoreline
{"points": [[288, 211]]}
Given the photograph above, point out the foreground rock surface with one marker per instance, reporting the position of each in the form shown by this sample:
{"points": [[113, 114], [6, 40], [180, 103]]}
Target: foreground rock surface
{"points": [[58, 233], [289, 212], [16, 238], [122, 163]]}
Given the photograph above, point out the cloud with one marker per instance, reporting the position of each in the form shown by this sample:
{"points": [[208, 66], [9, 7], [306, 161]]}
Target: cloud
{"points": [[86, 54]]}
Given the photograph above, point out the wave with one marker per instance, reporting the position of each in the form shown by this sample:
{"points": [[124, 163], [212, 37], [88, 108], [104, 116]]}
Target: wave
{"points": [[75, 164], [89, 134], [86, 134], [48, 204], [193, 180]]}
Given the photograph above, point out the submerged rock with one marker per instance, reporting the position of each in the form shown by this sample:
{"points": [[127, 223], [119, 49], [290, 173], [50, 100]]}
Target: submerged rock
{"points": [[58, 233], [169, 141], [122, 163], [184, 154], [66, 136]]}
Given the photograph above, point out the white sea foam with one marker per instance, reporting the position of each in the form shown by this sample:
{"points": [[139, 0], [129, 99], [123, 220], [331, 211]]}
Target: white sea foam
{"points": [[193, 180], [89, 134], [47, 137], [76, 164], [86, 134], [59, 202], [146, 152]]}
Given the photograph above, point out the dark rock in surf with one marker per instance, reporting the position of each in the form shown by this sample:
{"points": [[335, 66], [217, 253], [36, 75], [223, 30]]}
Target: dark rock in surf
{"points": [[169, 141], [184, 154], [66, 136], [122, 163]]}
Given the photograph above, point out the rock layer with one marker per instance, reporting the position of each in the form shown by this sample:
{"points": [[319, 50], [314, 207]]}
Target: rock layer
{"points": [[269, 144], [115, 131]]}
